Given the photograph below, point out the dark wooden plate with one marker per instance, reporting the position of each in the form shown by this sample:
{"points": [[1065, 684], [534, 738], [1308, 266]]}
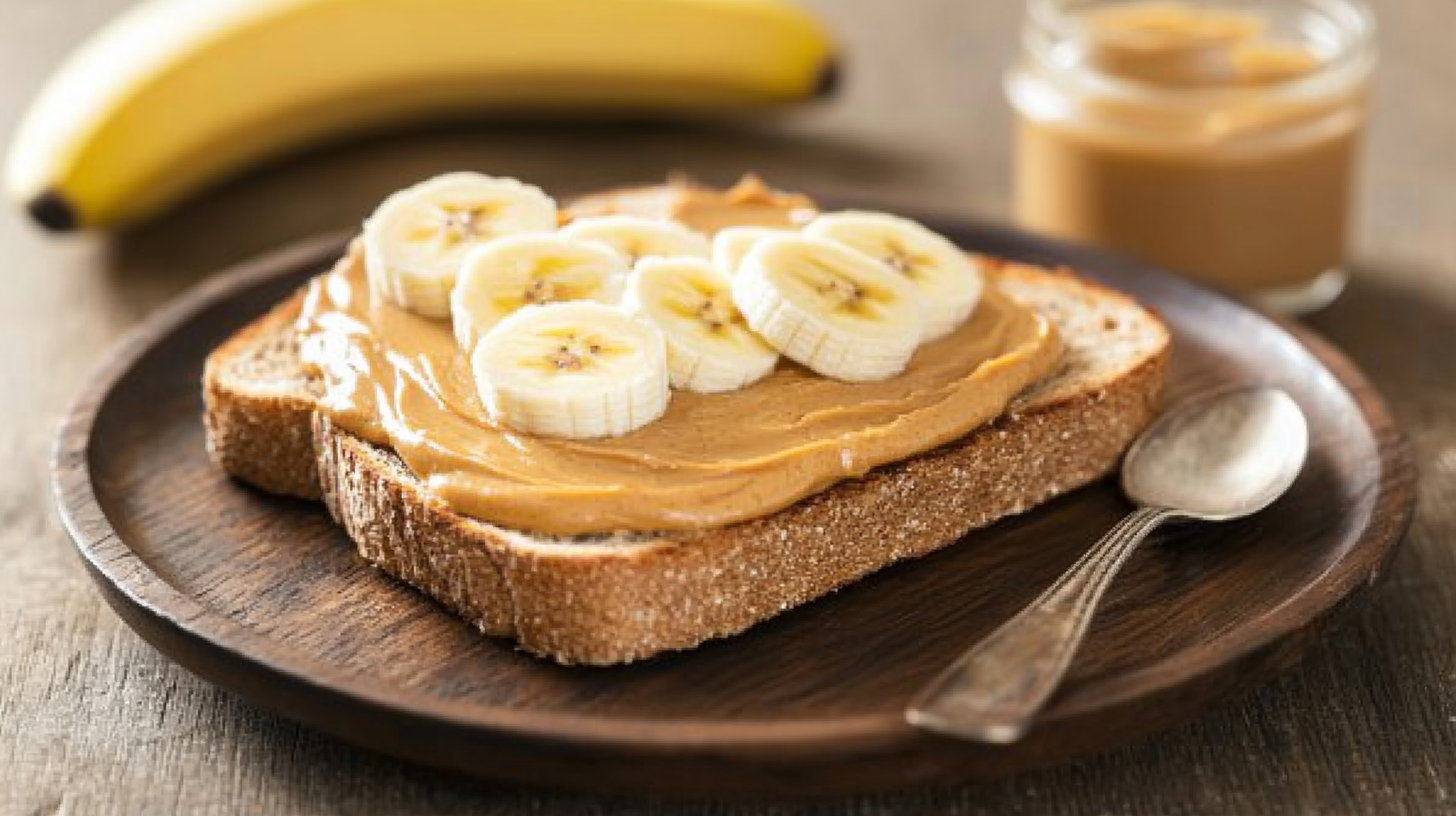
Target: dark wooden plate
{"points": [[265, 597]]}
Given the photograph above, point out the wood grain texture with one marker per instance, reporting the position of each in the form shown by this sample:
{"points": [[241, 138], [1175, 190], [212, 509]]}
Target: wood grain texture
{"points": [[92, 720], [265, 597]]}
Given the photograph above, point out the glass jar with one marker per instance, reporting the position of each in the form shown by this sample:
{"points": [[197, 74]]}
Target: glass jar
{"points": [[1213, 138]]}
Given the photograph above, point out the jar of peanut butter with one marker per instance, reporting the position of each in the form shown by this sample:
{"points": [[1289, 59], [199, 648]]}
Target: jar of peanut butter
{"points": [[1214, 139]]}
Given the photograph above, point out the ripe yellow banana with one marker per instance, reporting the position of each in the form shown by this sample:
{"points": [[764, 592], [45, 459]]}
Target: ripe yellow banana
{"points": [[177, 93]]}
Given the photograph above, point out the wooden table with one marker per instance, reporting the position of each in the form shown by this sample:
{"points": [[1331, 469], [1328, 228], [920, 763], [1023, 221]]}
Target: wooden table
{"points": [[93, 721]]}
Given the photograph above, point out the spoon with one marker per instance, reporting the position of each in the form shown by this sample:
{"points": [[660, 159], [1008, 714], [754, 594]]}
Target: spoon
{"points": [[1221, 457]]}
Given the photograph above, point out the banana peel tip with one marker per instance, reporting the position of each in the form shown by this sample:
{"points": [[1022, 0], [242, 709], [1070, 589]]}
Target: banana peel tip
{"points": [[831, 75], [51, 210]]}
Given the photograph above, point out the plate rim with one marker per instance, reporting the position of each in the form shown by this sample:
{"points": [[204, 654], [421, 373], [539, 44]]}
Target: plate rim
{"points": [[126, 578]]}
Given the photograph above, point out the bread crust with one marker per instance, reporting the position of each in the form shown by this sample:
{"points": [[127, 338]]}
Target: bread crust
{"points": [[623, 597], [261, 436]]}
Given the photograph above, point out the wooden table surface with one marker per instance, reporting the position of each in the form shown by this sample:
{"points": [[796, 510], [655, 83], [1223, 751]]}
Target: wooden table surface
{"points": [[92, 720]]}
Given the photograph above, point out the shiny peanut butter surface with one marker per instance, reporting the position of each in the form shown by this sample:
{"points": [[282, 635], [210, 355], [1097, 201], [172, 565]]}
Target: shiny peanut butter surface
{"points": [[399, 380], [1174, 44]]}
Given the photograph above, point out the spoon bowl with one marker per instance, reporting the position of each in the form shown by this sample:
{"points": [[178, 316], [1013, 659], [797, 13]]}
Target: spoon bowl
{"points": [[1221, 457]]}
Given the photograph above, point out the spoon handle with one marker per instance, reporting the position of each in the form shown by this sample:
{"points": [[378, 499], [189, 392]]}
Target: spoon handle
{"points": [[995, 689]]}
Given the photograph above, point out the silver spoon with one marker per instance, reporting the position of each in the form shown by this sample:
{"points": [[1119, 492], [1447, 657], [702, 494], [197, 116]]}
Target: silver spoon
{"points": [[1221, 457]]}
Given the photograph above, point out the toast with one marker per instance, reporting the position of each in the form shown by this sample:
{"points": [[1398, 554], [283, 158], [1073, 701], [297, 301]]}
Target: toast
{"points": [[615, 598]]}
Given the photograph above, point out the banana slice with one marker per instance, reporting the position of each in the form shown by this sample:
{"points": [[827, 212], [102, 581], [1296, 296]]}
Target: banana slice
{"points": [[730, 245], [948, 279], [415, 240], [638, 238], [579, 370], [710, 348], [503, 275], [831, 308]]}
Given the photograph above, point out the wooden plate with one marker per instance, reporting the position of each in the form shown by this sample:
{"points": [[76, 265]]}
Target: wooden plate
{"points": [[265, 597]]}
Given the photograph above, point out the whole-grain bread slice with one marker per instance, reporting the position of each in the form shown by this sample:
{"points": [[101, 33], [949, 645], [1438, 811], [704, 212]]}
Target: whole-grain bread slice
{"points": [[625, 596], [259, 404]]}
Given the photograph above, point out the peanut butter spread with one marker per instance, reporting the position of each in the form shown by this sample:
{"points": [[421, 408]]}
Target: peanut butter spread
{"points": [[1177, 45], [1196, 138], [400, 381]]}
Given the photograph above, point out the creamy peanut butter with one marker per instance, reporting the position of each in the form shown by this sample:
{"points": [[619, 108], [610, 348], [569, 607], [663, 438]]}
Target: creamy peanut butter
{"points": [[1177, 45], [1187, 135], [750, 202], [399, 380]]}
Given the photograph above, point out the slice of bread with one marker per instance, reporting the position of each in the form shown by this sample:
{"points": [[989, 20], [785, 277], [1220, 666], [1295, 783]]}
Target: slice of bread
{"points": [[621, 597], [259, 405]]}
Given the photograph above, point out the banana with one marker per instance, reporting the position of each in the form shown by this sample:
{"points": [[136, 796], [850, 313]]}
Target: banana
{"points": [[948, 279], [501, 276], [636, 237], [175, 94], [579, 370], [732, 243], [710, 348], [830, 308], [415, 241]]}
